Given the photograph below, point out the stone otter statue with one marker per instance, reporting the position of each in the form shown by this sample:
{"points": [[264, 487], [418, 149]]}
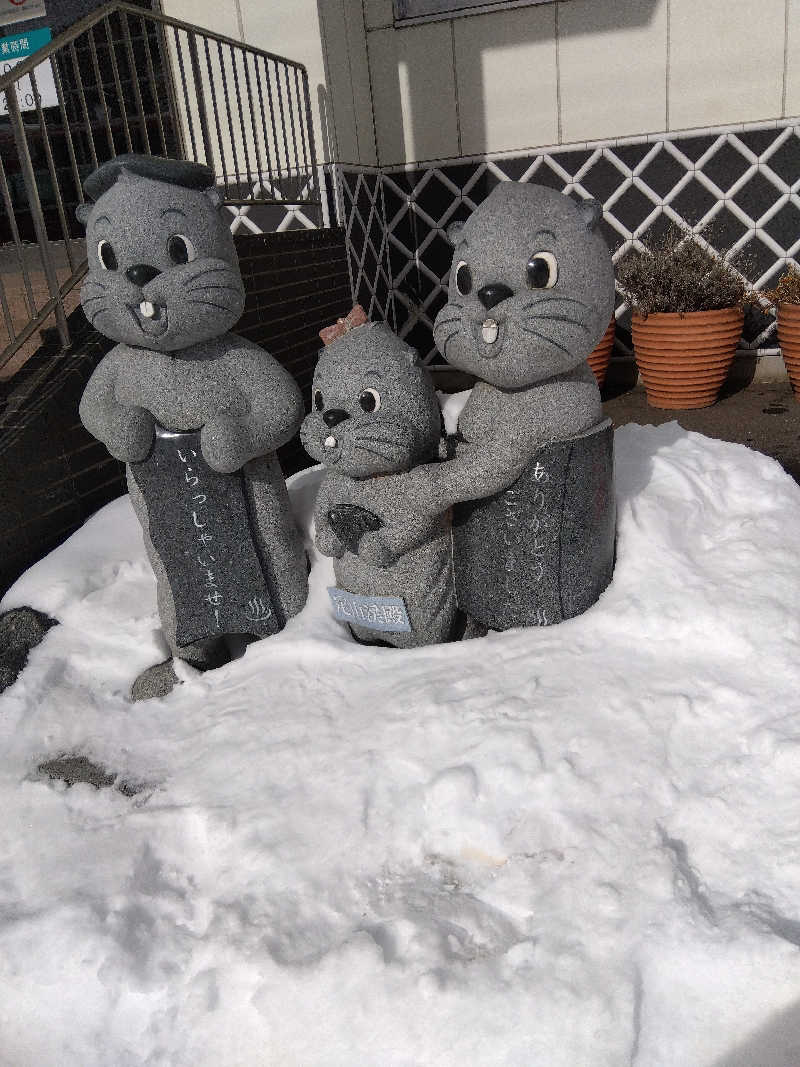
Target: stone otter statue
{"points": [[531, 293], [375, 413], [193, 410]]}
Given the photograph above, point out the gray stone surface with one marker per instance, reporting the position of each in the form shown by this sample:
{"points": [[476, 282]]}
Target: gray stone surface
{"points": [[21, 629], [131, 260], [75, 769], [542, 550], [545, 331], [155, 681], [525, 334], [168, 291], [370, 367], [201, 529]]}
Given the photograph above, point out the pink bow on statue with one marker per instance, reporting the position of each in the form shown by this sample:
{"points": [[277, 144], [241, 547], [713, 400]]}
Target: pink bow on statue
{"points": [[356, 317]]}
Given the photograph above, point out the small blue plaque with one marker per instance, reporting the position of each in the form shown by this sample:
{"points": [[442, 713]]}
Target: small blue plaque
{"points": [[387, 614]]}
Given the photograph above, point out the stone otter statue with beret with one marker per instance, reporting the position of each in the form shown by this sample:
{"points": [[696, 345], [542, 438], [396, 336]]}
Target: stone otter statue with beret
{"points": [[530, 473], [195, 411]]}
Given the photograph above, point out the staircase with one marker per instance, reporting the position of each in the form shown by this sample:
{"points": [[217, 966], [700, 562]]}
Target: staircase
{"points": [[128, 80]]}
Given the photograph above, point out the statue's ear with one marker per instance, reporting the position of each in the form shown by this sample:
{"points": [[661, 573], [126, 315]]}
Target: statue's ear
{"points": [[453, 232], [82, 213], [215, 196], [591, 213]]}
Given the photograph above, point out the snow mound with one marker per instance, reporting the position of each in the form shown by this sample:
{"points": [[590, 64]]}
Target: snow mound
{"points": [[569, 847]]}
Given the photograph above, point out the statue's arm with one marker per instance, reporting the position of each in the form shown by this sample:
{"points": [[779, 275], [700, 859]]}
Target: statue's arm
{"points": [[127, 432], [276, 411], [427, 491], [476, 471]]}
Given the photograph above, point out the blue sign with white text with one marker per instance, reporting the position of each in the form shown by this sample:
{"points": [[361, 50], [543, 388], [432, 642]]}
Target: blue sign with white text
{"points": [[22, 45]]}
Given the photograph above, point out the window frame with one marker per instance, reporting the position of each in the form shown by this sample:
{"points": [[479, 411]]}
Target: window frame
{"points": [[411, 12]]}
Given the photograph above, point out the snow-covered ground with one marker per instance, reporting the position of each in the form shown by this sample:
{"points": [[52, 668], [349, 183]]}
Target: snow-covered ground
{"points": [[565, 847]]}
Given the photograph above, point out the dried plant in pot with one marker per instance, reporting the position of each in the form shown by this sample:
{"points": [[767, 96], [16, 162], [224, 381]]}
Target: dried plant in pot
{"points": [[785, 298], [687, 315]]}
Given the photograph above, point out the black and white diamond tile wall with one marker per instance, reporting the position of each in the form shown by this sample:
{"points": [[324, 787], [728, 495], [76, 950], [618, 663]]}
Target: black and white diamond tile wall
{"points": [[361, 203], [738, 188]]}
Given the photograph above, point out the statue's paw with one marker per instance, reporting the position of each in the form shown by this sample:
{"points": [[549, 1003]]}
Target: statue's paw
{"points": [[131, 435], [223, 442], [328, 543], [373, 550]]}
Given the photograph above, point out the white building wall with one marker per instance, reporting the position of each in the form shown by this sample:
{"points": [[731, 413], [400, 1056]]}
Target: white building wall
{"points": [[572, 70], [554, 73]]}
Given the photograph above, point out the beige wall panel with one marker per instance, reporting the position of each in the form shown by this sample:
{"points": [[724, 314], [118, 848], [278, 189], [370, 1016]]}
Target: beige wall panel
{"points": [[413, 91], [217, 15], [339, 103], [506, 79], [726, 61], [793, 61], [613, 68], [378, 14], [359, 79], [386, 102], [345, 45]]}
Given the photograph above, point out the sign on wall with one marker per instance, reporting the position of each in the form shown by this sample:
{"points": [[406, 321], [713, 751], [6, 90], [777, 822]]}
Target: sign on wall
{"points": [[12, 51], [20, 10]]}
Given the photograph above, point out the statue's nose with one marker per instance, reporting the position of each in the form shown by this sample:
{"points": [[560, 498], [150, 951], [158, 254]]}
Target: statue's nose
{"points": [[334, 416], [141, 273], [492, 294]]}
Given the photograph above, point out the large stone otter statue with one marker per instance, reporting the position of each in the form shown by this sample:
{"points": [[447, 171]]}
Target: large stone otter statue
{"points": [[531, 293], [193, 410]]}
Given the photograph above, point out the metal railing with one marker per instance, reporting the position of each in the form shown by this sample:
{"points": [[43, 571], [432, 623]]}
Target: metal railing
{"points": [[125, 79]]}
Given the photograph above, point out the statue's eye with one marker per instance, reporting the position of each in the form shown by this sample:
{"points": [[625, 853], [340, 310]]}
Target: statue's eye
{"points": [[106, 255], [181, 249], [542, 270], [319, 403], [370, 400], [463, 278]]}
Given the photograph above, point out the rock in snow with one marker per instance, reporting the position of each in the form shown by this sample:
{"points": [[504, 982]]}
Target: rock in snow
{"points": [[564, 847]]}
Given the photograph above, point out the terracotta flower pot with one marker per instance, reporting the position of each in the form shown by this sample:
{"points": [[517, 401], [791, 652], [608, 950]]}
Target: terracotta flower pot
{"points": [[789, 340], [598, 360], [684, 359]]}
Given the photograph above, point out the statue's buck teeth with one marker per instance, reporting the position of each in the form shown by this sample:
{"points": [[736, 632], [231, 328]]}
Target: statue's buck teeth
{"points": [[147, 309], [489, 331], [330, 442]]}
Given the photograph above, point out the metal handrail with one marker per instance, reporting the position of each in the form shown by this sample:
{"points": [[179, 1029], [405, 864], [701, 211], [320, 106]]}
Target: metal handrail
{"points": [[242, 110], [101, 13]]}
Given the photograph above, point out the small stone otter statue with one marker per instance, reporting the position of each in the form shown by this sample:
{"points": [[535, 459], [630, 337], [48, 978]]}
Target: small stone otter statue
{"points": [[193, 410], [375, 413], [531, 293]]}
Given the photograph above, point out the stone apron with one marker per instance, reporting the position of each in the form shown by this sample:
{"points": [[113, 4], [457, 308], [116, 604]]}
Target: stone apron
{"points": [[542, 550], [199, 524]]}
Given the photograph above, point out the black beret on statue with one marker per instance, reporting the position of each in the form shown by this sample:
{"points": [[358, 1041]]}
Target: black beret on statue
{"points": [[174, 171]]}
